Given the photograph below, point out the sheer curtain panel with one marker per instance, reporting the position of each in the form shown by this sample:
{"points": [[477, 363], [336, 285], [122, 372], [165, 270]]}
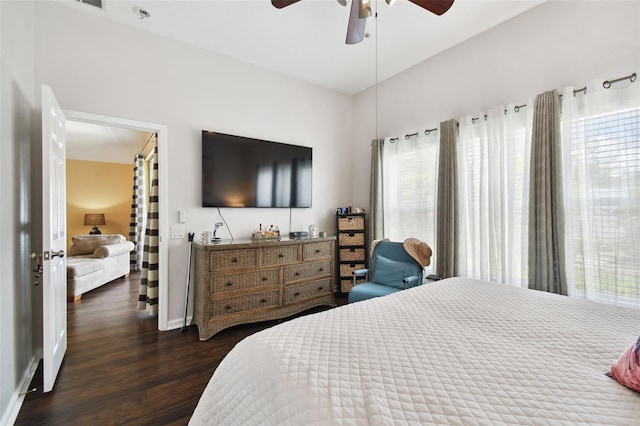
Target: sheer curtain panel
{"points": [[601, 149], [493, 168], [410, 167]]}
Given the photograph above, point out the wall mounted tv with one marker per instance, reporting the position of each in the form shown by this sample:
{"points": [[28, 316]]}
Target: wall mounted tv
{"points": [[245, 172]]}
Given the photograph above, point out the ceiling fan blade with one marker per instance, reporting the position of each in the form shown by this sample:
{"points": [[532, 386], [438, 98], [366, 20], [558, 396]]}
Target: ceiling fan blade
{"points": [[283, 3], [438, 7], [355, 30]]}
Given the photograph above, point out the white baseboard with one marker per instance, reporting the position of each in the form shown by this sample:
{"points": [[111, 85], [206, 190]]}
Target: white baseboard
{"points": [[178, 323], [11, 413]]}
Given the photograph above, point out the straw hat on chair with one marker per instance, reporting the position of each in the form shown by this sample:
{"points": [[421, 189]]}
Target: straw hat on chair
{"points": [[420, 251]]}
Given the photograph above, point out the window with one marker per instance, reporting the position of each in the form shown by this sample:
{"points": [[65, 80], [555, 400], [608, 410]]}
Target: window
{"points": [[601, 142], [410, 175]]}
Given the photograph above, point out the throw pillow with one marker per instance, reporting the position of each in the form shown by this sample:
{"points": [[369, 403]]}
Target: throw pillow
{"points": [[390, 272], [87, 244], [626, 370]]}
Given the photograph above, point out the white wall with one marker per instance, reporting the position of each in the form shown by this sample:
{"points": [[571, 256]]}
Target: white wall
{"points": [[554, 45], [98, 66], [16, 105]]}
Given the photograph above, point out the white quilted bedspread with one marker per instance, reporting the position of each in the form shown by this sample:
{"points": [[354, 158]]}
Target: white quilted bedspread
{"points": [[459, 352]]}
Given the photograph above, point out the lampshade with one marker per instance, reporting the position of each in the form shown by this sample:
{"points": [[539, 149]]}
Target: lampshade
{"points": [[93, 219]]}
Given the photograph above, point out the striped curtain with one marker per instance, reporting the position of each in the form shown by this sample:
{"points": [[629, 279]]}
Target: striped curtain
{"points": [[138, 218], [148, 298]]}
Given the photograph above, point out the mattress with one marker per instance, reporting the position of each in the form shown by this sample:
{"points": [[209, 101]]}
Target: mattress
{"points": [[456, 352]]}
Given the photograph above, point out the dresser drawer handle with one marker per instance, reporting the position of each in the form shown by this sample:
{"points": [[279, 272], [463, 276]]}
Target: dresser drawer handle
{"points": [[318, 251], [320, 269], [352, 234], [296, 294], [297, 274], [234, 260], [228, 284], [320, 288], [280, 255], [263, 300], [265, 279], [352, 250], [228, 307]]}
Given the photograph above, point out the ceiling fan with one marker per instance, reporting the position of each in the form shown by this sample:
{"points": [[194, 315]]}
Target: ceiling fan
{"points": [[361, 10]]}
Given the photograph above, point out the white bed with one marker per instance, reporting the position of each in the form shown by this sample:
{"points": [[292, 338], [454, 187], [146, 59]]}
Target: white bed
{"points": [[454, 352]]}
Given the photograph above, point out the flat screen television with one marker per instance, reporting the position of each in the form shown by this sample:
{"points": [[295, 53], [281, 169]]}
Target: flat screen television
{"points": [[245, 172]]}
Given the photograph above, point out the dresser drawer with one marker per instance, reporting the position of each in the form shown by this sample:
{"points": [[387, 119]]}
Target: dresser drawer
{"points": [[245, 280], [233, 259], [250, 302], [296, 293], [280, 255], [316, 250], [309, 270]]}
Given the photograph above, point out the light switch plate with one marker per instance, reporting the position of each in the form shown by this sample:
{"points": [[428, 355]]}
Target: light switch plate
{"points": [[182, 216], [177, 232]]}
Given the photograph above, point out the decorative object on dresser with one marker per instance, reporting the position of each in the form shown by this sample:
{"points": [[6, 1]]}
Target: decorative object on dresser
{"points": [[243, 281], [352, 253]]}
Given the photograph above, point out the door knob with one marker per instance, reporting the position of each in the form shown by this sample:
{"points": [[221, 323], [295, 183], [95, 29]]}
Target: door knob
{"points": [[57, 253]]}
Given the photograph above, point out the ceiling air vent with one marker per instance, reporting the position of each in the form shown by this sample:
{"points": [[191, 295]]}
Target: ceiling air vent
{"points": [[95, 3]]}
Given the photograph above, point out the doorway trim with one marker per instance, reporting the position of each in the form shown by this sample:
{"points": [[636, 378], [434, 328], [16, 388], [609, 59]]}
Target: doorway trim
{"points": [[163, 221]]}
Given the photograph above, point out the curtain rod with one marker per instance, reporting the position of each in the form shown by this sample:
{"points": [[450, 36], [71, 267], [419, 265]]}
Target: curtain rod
{"points": [[148, 142], [606, 84]]}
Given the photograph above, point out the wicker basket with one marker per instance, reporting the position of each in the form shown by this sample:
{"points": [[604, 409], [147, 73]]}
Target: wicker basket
{"points": [[346, 270], [351, 223], [351, 239], [352, 254]]}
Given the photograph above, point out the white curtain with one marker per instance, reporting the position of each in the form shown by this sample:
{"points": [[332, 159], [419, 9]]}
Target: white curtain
{"points": [[601, 156], [409, 189], [493, 166]]}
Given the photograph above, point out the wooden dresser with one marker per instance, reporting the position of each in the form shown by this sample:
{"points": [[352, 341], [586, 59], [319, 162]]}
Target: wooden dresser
{"points": [[244, 281]]}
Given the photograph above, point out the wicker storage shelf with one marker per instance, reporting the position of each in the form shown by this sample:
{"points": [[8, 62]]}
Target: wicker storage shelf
{"points": [[352, 250], [245, 282]]}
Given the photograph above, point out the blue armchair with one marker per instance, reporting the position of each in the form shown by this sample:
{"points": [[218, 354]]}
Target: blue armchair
{"points": [[392, 269]]}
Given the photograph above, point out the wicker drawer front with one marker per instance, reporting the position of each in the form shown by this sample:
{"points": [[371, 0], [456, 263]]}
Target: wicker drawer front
{"points": [[309, 270], [347, 284], [316, 250], [280, 255], [352, 254], [296, 293], [233, 259], [351, 239], [355, 223], [346, 270], [254, 279], [232, 305]]}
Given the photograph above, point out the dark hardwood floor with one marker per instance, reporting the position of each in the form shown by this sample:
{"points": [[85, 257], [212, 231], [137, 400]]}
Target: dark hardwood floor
{"points": [[119, 369]]}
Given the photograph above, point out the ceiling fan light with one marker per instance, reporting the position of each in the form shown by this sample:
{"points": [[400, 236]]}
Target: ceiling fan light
{"points": [[365, 9], [342, 2], [390, 2]]}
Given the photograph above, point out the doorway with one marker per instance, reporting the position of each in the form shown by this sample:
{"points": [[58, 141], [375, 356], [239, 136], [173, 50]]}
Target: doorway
{"points": [[161, 143]]}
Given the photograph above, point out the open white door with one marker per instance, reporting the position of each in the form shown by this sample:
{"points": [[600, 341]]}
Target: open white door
{"points": [[54, 224]]}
